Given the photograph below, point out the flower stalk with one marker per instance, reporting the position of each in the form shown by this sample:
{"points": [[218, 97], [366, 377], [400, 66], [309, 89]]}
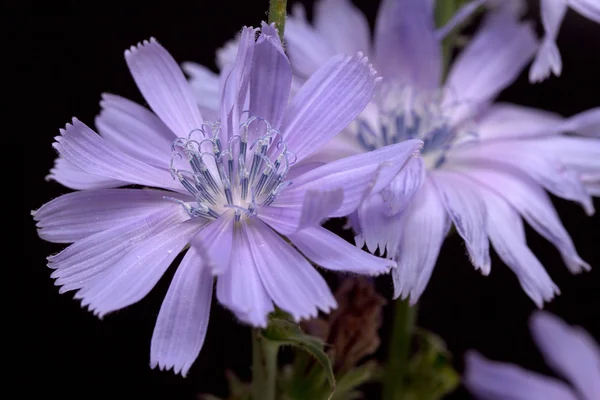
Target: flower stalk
{"points": [[399, 351], [264, 367], [277, 11]]}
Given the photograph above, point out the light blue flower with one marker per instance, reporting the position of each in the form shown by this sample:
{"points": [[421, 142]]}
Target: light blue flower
{"points": [[484, 165]]}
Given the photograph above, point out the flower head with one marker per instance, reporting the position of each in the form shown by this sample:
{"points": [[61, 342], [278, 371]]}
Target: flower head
{"points": [[570, 351], [484, 166], [229, 190]]}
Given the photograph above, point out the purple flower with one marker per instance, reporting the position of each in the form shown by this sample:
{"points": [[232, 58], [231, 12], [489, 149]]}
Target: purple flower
{"points": [[228, 189], [484, 165], [570, 351], [548, 59]]}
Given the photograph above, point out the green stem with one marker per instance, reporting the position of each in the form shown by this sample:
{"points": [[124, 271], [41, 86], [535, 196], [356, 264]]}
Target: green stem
{"points": [[264, 367], [399, 351], [277, 11], [444, 10]]}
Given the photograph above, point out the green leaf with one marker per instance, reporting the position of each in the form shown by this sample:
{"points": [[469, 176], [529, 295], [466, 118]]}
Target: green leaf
{"points": [[282, 331], [351, 380]]}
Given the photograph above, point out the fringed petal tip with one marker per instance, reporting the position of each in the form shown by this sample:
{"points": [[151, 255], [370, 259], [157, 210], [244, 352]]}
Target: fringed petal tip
{"points": [[170, 366], [133, 50], [547, 62], [364, 60]]}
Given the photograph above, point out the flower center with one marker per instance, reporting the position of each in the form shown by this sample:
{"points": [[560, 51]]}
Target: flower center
{"points": [[401, 116], [249, 172]]}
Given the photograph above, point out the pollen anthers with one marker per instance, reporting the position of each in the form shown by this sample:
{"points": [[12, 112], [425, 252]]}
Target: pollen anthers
{"points": [[404, 114], [247, 171]]}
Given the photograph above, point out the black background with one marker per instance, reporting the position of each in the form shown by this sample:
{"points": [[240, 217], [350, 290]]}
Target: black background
{"points": [[69, 53]]}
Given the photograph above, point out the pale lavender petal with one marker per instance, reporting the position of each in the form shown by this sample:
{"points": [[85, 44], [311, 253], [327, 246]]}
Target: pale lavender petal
{"points": [[271, 77], [528, 157], [586, 123], [183, 318], [547, 60], [406, 48], [570, 351], [164, 87], [308, 50], [548, 56], [506, 45], [343, 25], [580, 153], [77, 215], [215, 243], [492, 380], [240, 288], [425, 225], [508, 121], [468, 213], [532, 202], [404, 186], [357, 176], [376, 228], [330, 251], [133, 276], [588, 8], [205, 87], [235, 81], [327, 102], [85, 260], [460, 16], [135, 130], [293, 284], [88, 151], [505, 228], [70, 175], [312, 210]]}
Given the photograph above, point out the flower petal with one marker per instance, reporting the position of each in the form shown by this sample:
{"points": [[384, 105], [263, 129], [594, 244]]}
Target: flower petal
{"points": [[77, 215], [315, 207], [376, 229], [460, 16], [357, 176], [343, 25], [235, 81], [183, 318], [507, 46], [425, 225], [70, 175], [133, 276], [308, 49], [293, 284], [205, 87], [505, 228], [468, 213], [588, 8], [86, 259], [406, 48], [548, 56], [240, 288], [570, 351], [527, 157], [83, 147], [509, 121], [164, 87], [271, 77], [135, 130], [404, 186], [215, 243], [530, 200], [327, 102], [492, 380], [330, 251]]}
